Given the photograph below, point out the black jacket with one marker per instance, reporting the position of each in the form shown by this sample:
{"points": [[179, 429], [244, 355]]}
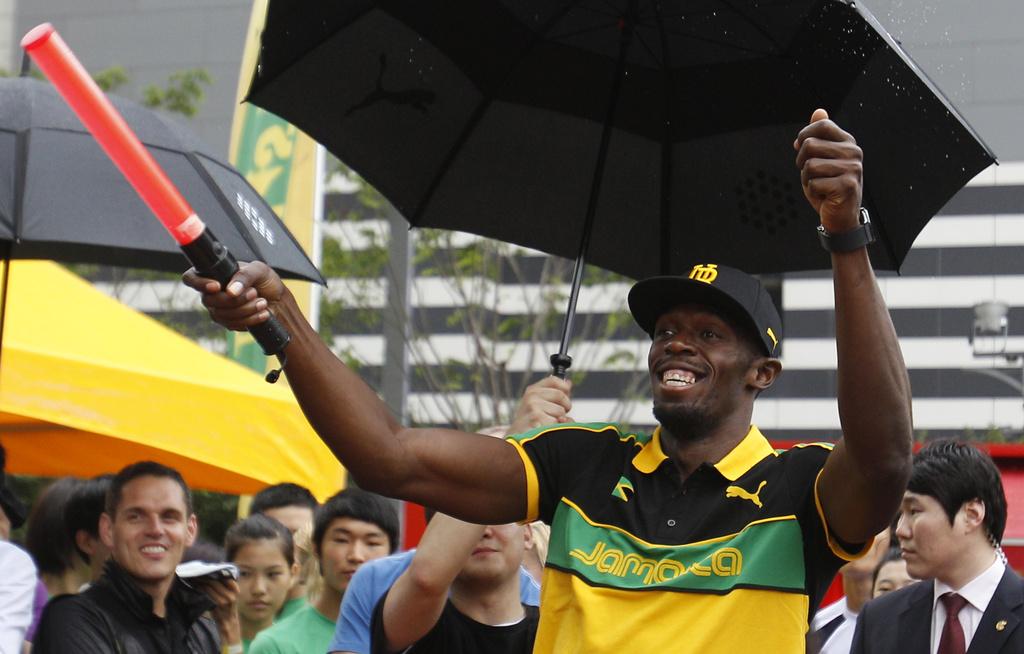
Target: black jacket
{"points": [[114, 616], [901, 622]]}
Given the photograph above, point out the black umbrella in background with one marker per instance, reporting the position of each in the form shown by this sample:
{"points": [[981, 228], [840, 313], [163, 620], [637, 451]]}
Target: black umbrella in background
{"points": [[62, 198], [636, 135]]}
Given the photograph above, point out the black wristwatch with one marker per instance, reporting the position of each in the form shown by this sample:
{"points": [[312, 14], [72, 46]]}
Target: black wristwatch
{"points": [[851, 240]]}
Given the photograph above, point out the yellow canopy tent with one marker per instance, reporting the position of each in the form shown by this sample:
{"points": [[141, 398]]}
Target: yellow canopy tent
{"points": [[88, 385]]}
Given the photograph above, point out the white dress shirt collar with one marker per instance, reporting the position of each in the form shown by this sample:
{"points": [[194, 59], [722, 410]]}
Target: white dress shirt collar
{"points": [[978, 592]]}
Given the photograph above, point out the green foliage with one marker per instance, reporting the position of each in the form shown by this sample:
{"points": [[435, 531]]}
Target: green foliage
{"points": [[471, 271], [360, 268], [33, 73], [112, 78], [369, 263], [216, 512], [995, 435], [183, 93]]}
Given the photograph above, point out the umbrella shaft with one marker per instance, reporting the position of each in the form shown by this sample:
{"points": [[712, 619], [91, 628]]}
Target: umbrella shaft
{"points": [[570, 310], [561, 361]]}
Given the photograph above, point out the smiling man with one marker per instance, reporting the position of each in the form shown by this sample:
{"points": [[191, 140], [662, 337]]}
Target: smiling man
{"points": [[138, 605], [699, 537]]}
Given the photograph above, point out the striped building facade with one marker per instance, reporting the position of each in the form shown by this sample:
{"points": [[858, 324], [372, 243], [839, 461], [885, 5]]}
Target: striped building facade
{"points": [[969, 254]]}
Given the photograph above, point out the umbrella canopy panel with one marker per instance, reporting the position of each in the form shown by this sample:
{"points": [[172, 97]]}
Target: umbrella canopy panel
{"points": [[88, 385], [62, 198], [487, 116]]}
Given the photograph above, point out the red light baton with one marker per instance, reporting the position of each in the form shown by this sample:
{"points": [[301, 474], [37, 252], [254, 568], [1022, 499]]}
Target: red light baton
{"points": [[209, 257]]}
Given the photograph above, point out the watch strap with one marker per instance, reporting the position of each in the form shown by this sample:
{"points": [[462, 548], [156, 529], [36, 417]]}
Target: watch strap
{"points": [[854, 239]]}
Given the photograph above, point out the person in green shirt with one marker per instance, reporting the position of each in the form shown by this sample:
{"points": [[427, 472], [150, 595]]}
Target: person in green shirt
{"points": [[293, 506], [262, 549], [349, 529]]}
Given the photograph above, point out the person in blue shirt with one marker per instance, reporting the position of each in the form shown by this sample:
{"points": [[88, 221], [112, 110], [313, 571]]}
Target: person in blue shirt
{"points": [[371, 582]]}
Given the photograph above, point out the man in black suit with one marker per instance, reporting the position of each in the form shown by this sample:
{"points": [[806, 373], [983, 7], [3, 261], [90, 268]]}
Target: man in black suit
{"points": [[951, 521]]}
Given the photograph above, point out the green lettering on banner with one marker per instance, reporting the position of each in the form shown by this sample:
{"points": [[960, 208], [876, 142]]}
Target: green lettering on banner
{"points": [[765, 554], [264, 157]]}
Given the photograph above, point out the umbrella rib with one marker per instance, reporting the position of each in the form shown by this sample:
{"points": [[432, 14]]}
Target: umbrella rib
{"points": [[225, 205], [583, 30], [665, 205], [478, 114], [649, 50], [297, 274], [725, 44], [753, 23], [612, 9], [20, 164]]}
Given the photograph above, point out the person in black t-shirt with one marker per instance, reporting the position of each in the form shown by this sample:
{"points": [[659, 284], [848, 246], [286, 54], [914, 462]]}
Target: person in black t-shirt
{"points": [[460, 594]]}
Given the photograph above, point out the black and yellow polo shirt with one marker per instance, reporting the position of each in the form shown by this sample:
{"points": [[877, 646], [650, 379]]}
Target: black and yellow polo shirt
{"points": [[732, 560]]}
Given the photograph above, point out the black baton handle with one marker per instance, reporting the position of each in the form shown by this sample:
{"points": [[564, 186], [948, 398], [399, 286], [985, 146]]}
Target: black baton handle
{"points": [[560, 364], [212, 260]]}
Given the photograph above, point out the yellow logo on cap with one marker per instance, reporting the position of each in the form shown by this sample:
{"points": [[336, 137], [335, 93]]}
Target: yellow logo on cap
{"points": [[706, 273], [775, 341]]}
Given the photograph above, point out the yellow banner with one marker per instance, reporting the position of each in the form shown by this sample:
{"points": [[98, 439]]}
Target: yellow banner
{"points": [[280, 162]]}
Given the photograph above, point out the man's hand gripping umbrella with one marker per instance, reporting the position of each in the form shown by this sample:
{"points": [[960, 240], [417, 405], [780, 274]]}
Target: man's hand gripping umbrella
{"points": [[209, 257]]}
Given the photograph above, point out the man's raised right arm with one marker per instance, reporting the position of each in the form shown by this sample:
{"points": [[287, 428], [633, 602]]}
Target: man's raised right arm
{"points": [[473, 477]]}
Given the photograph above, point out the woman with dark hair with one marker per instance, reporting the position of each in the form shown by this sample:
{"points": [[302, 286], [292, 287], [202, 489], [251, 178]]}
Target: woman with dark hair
{"points": [[46, 539], [262, 549]]}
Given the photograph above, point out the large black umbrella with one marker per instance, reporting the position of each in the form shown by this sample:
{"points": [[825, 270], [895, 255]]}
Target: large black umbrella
{"points": [[61, 197], [640, 135]]}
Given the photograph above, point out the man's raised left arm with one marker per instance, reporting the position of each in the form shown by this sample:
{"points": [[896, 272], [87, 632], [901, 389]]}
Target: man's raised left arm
{"points": [[864, 478]]}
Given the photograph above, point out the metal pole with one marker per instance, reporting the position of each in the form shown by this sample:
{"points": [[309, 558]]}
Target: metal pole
{"points": [[317, 256], [396, 327]]}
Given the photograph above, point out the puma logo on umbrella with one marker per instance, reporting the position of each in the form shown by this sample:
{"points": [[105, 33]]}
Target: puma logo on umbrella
{"points": [[736, 491], [416, 98]]}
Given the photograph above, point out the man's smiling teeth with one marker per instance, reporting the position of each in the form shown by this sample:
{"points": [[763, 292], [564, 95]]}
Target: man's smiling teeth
{"points": [[154, 549], [678, 378]]}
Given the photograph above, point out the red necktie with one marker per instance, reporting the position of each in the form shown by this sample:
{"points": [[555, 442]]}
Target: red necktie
{"points": [[952, 641]]}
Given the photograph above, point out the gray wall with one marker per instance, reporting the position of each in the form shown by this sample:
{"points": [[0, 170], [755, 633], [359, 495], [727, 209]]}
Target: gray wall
{"points": [[973, 51], [151, 39], [7, 43]]}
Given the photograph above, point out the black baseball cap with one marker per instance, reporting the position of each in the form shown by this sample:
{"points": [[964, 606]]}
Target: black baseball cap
{"points": [[727, 289]]}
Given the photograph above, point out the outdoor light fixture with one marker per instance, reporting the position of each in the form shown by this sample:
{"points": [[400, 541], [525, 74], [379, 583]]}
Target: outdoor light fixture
{"points": [[990, 332], [989, 337]]}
